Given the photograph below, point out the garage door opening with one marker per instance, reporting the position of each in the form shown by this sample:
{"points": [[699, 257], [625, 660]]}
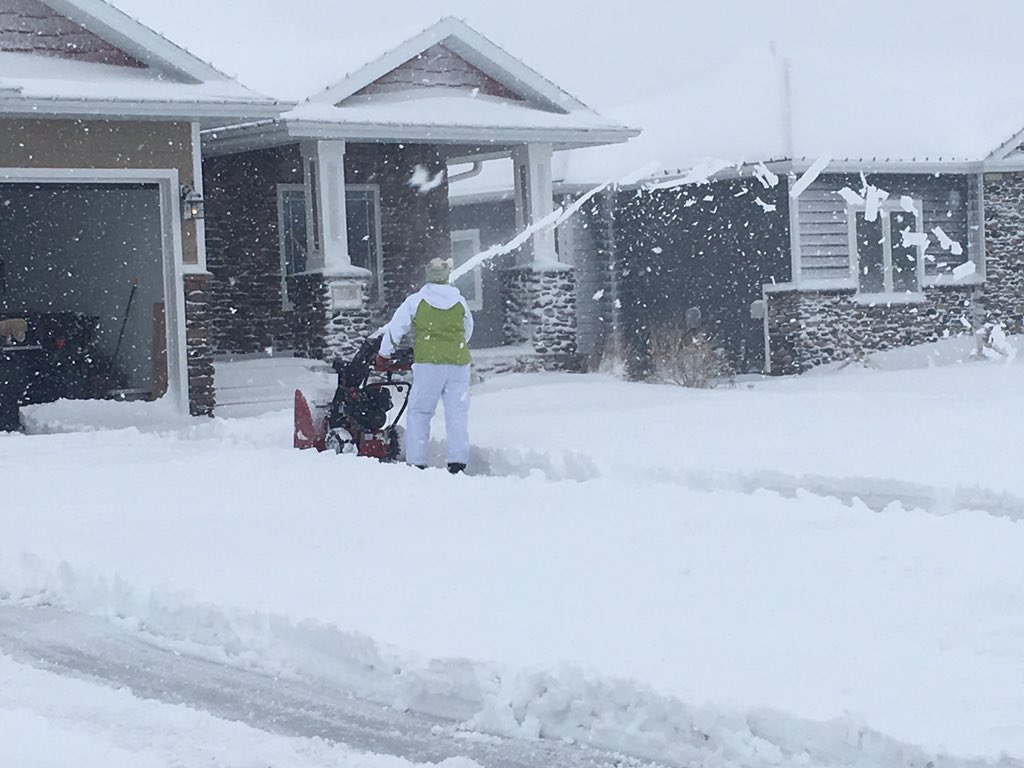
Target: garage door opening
{"points": [[83, 265]]}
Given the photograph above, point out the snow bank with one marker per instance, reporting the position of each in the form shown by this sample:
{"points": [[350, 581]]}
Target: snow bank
{"points": [[737, 575], [564, 704]]}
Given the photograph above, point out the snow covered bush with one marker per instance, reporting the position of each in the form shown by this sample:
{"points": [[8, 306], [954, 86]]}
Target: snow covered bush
{"points": [[688, 358]]}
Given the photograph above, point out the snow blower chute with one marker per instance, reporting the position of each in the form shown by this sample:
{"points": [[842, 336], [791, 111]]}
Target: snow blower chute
{"points": [[356, 420]]}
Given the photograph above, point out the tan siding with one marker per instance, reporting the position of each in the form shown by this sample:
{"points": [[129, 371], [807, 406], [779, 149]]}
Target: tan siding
{"points": [[102, 145]]}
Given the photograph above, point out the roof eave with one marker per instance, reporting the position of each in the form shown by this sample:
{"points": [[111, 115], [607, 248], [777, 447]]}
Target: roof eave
{"points": [[565, 138], [133, 108]]}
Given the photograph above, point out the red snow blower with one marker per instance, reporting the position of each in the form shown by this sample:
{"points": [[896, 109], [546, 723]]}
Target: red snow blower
{"points": [[356, 420]]}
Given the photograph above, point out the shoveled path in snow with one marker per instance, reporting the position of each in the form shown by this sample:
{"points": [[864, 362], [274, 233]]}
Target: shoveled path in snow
{"points": [[96, 650]]}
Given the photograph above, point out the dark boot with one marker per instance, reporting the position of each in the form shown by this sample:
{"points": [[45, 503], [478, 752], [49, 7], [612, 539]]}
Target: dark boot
{"points": [[456, 468], [420, 466]]}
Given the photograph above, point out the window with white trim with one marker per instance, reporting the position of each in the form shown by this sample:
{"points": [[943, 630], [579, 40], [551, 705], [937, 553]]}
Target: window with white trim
{"points": [[466, 245], [291, 228], [888, 248], [362, 208]]}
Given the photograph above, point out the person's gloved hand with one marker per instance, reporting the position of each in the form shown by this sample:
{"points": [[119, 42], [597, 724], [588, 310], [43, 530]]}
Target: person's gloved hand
{"points": [[381, 362]]}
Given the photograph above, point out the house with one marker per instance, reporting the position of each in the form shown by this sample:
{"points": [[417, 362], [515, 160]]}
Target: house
{"points": [[798, 216], [319, 221], [100, 124], [181, 217]]}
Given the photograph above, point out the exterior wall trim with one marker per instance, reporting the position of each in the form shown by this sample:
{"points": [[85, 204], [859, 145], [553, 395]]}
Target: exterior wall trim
{"points": [[171, 238]]}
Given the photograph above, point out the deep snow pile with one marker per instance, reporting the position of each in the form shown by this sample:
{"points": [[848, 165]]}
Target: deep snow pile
{"points": [[613, 573]]}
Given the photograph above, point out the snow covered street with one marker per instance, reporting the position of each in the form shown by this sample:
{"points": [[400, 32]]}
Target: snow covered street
{"points": [[823, 570]]}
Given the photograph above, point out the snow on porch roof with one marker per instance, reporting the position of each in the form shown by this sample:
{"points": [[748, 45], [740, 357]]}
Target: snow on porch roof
{"points": [[166, 80], [530, 102]]}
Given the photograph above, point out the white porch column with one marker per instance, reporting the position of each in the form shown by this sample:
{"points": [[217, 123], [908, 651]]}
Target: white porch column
{"points": [[325, 183], [534, 200]]}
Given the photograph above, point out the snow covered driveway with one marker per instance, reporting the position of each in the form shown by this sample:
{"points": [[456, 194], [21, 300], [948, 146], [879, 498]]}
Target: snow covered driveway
{"points": [[683, 576]]}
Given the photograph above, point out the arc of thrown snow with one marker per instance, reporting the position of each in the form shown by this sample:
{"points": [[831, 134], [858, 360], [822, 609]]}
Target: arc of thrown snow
{"points": [[553, 219]]}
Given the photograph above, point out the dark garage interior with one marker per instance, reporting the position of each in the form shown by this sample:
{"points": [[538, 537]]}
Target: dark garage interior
{"points": [[82, 266]]}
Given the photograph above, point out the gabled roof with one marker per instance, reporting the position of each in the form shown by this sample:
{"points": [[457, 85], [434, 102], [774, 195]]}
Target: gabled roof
{"points": [[163, 80], [535, 107], [476, 49]]}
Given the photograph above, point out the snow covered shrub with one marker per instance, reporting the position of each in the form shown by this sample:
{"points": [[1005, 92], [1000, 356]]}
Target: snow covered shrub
{"points": [[688, 358]]}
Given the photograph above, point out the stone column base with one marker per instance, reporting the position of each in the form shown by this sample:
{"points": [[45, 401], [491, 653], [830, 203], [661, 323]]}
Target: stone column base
{"points": [[540, 309], [201, 392], [350, 318]]}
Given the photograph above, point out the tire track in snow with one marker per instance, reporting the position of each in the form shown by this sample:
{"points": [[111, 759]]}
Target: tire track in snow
{"points": [[93, 649], [876, 493]]}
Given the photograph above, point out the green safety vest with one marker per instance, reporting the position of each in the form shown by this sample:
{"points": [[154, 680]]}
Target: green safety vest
{"points": [[440, 335]]}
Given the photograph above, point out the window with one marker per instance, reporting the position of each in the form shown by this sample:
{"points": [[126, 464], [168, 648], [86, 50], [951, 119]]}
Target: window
{"points": [[291, 222], [466, 245], [362, 207], [888, 251]]}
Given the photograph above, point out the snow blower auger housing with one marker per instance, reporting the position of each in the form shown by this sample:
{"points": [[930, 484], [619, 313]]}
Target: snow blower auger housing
{"points": [[356, 420]]}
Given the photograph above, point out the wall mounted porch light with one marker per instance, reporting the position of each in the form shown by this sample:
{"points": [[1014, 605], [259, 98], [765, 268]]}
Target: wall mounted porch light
{"points": [[192, 204]]}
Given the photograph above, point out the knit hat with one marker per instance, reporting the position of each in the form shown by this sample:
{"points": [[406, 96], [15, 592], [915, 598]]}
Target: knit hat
{"points": [[438, 270]]}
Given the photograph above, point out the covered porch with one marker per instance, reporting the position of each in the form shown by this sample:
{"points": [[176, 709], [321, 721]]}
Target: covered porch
{"points": [[319, 223]]}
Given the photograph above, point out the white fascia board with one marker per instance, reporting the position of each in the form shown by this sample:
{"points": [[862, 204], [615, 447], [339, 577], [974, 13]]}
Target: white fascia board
{"points": [[496, 62], [476, 49], [376, 69], [1007, 148], [234, 139], [455, 134], [504, 195], [114, 109], [1013, 163], [142, 43], [891, 167]]}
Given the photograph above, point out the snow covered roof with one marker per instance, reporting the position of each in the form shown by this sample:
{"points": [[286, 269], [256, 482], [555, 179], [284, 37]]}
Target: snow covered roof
{"points": [[153, 77], [512, 103], [859, 108]]}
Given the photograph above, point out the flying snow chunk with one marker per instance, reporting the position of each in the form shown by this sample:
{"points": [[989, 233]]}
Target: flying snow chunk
{"points": [[915, 239], [851, 197], [657, 249], [907, 204], [873, 198], [809, 176], [599, 295], [947, 243], [765, 176], [965, 270], [423, 181], [766, 207], [700, 174]]}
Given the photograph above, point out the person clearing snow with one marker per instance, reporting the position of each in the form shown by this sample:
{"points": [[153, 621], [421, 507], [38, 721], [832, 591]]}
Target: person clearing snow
{"points": [[443, 326]]}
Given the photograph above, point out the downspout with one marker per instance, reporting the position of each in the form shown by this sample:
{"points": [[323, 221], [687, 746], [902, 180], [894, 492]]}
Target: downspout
{"points": [[478, 166]]}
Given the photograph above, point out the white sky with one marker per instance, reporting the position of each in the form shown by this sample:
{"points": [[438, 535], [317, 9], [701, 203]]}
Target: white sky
{"points": [[602, 51]]}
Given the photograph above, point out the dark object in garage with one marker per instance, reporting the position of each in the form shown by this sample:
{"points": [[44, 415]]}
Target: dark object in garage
{"points": [[58, 358]]}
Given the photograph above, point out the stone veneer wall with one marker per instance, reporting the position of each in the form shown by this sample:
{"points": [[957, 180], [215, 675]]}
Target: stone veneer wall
{"points": [[310, 314], [541, 311], [812, 328], [201, 393], [1004, 250], [348, 328], [243, 251]]}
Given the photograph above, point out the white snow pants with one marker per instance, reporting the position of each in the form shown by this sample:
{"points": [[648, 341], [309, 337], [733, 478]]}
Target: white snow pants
{"points": [[430, 383]]}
